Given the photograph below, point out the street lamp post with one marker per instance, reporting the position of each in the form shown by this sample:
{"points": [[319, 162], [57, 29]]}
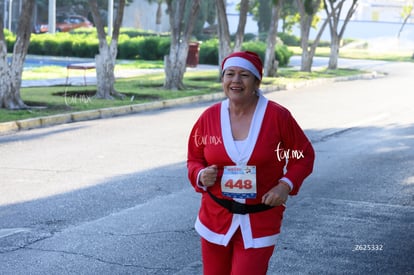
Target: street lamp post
{"points": [[110, 16], [52, 16]]}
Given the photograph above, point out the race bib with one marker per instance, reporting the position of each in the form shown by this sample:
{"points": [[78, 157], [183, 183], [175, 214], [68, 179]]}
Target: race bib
{"points": [[239, 182]]}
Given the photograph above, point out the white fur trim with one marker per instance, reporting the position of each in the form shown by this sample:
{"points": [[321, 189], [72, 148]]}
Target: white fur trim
{"points": [[243, 157], [242, 63], [223, 239]]}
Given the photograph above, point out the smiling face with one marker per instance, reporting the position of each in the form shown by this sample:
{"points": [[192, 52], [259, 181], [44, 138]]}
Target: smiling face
{"points": [[239, 84]]}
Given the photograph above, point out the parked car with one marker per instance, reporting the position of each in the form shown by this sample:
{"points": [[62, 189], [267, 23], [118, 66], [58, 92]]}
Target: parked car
{"points": [[40, 28], [65, 24]]}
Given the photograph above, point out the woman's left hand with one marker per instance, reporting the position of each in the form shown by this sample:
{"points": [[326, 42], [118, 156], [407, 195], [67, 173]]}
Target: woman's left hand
{"points": [[276, 196]]}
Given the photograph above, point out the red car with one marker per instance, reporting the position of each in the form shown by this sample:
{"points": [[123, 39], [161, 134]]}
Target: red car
{"points": [[66, 24]]}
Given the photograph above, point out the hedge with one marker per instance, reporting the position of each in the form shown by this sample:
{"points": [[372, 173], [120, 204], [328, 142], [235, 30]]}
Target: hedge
{"points": [[131, 45], [209, 51]]}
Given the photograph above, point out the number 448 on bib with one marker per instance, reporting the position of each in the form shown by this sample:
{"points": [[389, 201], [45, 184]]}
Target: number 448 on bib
{"points": [[239, 182]]}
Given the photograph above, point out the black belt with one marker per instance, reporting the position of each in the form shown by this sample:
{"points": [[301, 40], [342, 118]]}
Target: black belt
{"points": [[240, 208]]}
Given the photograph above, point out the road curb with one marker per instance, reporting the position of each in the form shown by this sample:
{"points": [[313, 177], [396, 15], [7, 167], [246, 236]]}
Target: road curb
{"points": [[47, 121], [8, 127]]}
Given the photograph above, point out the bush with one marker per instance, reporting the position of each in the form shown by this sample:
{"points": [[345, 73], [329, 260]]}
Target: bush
{"points": [[52, 46], [60, 44], [282, 54], [246, 37], [289, 39], [321, 43], [128, 49], [82, 47], [10, 39], [249, 37], [262, 36], [208, 53], [36, 45], [255, 46], [66, 48], [85, 43], [150, 47], [131, 32], [164, 46]]}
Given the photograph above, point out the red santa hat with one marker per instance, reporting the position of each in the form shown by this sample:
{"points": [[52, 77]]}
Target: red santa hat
{"points": [[246, 60]]}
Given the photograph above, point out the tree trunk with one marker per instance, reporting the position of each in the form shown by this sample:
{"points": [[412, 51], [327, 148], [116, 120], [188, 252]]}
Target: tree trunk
{"points": [[9, 82], [105, 66], [106, 59], [158, 17], [408, 15], [244, 8], [159, 13], [175, 66], [265, 10], [175, 62], [306, 62], [333, 14], [223, 31], [313, 47], [11, 73], [334, 53], [270, 62], [307, 11]]}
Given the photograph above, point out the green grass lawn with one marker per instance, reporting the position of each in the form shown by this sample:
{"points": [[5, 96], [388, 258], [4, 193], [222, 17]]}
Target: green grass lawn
{"points": [[145, 88]]}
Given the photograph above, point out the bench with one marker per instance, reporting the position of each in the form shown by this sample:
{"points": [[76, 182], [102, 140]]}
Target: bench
{"points": [[80, 66]]}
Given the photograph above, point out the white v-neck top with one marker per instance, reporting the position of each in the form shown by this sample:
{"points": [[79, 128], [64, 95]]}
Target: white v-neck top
{"points": [[241, 155]]}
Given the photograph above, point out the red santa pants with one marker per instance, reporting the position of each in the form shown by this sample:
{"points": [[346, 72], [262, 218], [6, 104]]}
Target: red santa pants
{"points": [[234, 259]]}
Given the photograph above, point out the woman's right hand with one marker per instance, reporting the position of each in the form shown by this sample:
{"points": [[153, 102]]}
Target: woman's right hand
{"points": [[209, 176]]}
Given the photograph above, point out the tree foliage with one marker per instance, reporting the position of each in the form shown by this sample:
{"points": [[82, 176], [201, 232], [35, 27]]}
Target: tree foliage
{"points": [[406, 13], [262, 14], [288, 16]]}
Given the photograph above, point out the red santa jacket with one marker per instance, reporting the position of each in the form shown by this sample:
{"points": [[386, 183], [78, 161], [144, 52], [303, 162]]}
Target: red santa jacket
{"points": [[273, 138]]}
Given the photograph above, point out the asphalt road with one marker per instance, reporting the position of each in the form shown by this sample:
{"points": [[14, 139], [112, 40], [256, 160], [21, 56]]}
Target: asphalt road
{"points": [[111, 196]]}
